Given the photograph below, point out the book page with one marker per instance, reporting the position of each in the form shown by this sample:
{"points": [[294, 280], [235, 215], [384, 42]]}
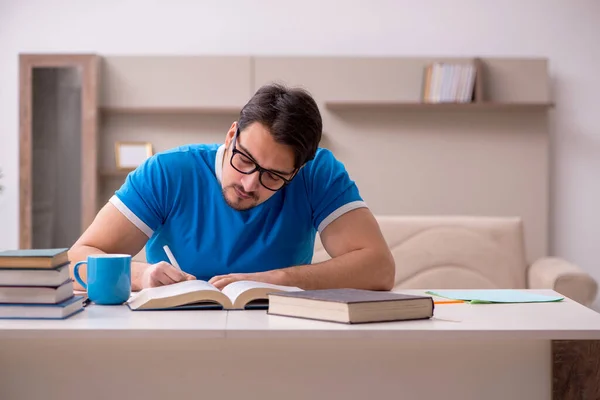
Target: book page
{"points": [[176, 289], [235, 289]]}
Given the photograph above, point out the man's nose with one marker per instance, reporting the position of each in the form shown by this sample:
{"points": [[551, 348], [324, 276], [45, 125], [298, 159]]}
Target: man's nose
{"points": [[251, 182]]}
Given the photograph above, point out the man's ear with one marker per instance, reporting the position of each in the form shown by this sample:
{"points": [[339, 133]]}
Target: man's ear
{"points": [[230, 134]]}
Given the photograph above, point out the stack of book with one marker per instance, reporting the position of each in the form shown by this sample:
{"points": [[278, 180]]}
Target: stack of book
{"points": [[35, 284]]}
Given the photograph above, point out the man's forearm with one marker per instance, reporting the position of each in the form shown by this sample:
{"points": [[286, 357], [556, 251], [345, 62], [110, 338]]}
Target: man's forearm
{"points": [[360, 269], [80, 253]]}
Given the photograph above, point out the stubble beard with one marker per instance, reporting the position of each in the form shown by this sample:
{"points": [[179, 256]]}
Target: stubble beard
{"points": [[237, 205]]}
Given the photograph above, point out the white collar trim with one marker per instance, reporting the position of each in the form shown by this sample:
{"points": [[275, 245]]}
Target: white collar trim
{"points": [[219, 162]]}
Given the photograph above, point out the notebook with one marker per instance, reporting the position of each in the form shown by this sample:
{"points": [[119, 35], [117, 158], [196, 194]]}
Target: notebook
{"points": [[488, 296], [351, 306]]}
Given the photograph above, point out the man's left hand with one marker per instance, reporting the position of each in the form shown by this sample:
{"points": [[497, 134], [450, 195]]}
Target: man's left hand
{"points": [[220, 281]]}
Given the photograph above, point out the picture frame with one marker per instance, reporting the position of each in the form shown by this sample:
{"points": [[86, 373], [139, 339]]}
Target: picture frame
{"points": [[130, 155]]}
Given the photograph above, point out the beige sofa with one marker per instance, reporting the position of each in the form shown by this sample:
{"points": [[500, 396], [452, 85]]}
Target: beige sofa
{"points": [[456, 252]]}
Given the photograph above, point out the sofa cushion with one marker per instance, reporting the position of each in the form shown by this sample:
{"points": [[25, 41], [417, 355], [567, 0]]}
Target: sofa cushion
{"points": [[453, 251]]}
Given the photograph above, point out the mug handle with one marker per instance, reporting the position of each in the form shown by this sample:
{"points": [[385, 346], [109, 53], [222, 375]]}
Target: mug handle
{"points": [[76, 274]]}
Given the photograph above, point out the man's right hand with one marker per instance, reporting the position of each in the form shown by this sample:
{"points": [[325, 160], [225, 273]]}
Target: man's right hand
{"points": [[163, 273]]}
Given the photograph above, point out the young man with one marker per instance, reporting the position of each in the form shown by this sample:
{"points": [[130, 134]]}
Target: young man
{"points": [[248, 209]]}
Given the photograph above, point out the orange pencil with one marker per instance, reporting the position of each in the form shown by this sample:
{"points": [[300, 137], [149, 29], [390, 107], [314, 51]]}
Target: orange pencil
{"points": [[448, 301]]}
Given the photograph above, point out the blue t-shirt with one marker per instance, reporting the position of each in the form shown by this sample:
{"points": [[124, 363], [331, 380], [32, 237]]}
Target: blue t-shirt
{"points": [[175, 198]]}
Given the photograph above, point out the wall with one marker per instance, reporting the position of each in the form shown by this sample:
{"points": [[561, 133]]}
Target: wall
{"points": [[565, 32]]}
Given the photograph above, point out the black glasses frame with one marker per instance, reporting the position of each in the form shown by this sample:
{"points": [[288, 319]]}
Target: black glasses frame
{"points": [[257, 167]]}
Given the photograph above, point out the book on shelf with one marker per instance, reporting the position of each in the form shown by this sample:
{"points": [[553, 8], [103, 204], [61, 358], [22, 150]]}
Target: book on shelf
{"points": [[199, 294], [351, 306], [449, 82], [33, 258]]}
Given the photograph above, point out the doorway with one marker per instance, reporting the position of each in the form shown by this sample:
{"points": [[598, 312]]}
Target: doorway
{"points": [[58, 167]]}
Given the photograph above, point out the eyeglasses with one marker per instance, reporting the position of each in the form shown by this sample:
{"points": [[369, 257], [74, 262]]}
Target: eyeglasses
{"points": [[246, 165]]}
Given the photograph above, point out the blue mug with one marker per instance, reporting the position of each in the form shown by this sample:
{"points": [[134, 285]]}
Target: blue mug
{"points": [[108, 278]]}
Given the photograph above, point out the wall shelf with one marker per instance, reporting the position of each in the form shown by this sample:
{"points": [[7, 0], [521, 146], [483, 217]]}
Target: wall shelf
{"points": [[170, 110], [416, 106]]}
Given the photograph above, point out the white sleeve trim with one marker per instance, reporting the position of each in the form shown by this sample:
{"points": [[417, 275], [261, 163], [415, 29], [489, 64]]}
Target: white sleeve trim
{"points": [[339, 212], [219, 162], [131, 216]]}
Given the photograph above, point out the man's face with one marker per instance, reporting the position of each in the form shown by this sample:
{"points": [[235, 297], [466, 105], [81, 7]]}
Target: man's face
{"points": [[257, 146]]}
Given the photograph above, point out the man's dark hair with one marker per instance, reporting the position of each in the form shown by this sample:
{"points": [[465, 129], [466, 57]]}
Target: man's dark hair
{"points": [[290, 114]]}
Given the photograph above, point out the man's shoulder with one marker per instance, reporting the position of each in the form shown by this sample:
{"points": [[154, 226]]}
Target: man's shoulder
{"points": [[177, 164], [322, 154], [324, 161], [189, 156], [188, 151]]}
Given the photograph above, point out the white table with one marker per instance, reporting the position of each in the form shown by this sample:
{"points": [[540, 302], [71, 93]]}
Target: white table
{"points": [[465, 352]]}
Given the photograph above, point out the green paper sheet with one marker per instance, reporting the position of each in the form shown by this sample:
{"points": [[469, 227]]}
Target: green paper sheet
{"points": [[495, 296]]}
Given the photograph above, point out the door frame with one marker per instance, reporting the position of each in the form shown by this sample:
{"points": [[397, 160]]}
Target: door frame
{"points": [[88, 64]]}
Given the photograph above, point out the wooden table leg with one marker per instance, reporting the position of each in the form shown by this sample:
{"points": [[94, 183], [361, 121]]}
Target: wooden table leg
{"points": [[576, 369]]}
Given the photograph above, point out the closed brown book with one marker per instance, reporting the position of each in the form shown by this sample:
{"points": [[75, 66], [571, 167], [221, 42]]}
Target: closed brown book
{"points": [[34, 258], [350, 306]]}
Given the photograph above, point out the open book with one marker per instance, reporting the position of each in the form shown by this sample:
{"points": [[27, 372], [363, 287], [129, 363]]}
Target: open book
{"points": [[201, 294]]}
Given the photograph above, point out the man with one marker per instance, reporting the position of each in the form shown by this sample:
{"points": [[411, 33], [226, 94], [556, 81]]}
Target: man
{"points": [[248, 209]]}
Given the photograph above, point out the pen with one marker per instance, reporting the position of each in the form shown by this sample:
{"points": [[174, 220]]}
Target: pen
{"points": [[448, 301], [172, 259]]}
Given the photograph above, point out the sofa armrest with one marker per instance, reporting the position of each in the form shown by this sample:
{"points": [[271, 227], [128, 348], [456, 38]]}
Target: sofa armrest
{"points": [[564, 277]]}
